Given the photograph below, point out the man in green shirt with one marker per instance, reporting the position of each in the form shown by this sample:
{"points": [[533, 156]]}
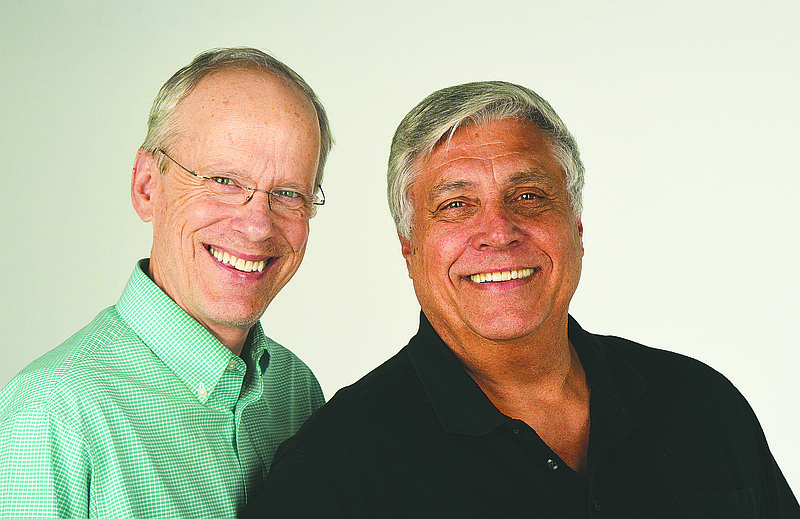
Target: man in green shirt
{"points": [[172, 402]]}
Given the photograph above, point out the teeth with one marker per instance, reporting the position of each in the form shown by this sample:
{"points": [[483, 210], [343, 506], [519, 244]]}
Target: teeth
{"points": [[501, 276], [237, 263]]}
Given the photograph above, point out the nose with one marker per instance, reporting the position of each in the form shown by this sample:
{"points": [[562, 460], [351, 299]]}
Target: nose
{"points": [[496, 228], [255, 219]]}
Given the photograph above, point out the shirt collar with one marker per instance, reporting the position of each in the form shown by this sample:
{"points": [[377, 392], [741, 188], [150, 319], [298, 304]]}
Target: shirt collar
{"points": [[463, 408], [616, 387], [457, 400], [610, 376], [182, 343]]}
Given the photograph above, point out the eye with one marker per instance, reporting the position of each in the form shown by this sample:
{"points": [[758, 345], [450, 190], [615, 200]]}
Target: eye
{"points": [[224, 186], [286, 193], [288, 198], [224, 181], [529, 196], [452, 206], [455, 204], [528, 201], [526, 195], [453, 210]]}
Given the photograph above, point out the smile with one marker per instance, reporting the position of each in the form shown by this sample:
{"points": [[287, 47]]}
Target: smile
{"points": [[237, 263], [506, 275]]}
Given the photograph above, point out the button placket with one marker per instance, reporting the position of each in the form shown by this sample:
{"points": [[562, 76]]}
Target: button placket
{"points": [[202, 392]]}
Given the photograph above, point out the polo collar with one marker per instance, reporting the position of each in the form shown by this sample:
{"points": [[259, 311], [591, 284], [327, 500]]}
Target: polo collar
{"points": [[463, 408], [458, 401]]}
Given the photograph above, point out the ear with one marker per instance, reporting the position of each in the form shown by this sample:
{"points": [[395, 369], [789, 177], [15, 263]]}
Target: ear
{"points": [[408, 253], [144, 182], [580, 233]]}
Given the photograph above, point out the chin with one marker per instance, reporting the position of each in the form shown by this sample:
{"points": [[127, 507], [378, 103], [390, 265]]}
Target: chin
{"points": [[244, 317], [507, 327], [243, 322]]}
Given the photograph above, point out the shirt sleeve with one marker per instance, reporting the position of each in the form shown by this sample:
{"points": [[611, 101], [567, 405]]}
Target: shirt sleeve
{"points": [[317, 397], [779, 501], [44, 468]]}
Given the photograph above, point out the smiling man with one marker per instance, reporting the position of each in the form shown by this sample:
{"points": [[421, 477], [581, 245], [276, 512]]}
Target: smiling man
{"points": [[502, 405], [172, 402]]}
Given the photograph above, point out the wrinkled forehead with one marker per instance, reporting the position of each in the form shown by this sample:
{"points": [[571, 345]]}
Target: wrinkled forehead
{"points": [[507, 150]]}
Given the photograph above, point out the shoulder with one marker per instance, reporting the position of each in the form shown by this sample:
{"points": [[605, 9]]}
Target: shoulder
{"points": [[660, 366], [283, 369], [675, 385], [387, 396], [69, 368], [283, 362], [393, 382], [289, 384]]}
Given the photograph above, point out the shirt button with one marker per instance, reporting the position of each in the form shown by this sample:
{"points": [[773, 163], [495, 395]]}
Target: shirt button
{"points": [[596, 505], [552, 465], [232, 364], [202, 393]]}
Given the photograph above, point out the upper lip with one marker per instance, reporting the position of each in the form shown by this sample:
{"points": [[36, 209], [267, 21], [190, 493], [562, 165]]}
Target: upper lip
{"points": [[501, 274], [243, 255], [240, 261]]}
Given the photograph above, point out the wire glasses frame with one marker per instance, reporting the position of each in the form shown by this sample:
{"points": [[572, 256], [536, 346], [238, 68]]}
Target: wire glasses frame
{"points": [[282, 200]]}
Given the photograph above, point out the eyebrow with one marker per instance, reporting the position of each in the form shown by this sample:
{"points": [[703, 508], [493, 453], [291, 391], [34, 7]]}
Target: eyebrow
{"points": [[533, 175], [449, 186], [223, 170], [523, 177]]}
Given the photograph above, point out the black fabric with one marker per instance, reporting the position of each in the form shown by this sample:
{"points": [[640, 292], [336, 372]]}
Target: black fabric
{"points": [[670, 437]]}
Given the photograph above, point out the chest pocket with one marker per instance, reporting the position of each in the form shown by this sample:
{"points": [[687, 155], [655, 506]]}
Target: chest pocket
{"points": [[732, 504]]}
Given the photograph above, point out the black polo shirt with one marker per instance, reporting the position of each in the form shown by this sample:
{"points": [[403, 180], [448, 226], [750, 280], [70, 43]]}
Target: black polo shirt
{"points": [[670, 437]]}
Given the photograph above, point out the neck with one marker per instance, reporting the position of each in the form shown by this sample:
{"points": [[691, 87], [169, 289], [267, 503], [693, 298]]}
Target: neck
{"points": [[543, 359], [234, 339], [531, 372], [539, 380], [232, 336]]}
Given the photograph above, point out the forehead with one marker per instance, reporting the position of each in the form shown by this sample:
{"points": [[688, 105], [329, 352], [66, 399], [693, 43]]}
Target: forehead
{"points": [[249, 122], [248, 99], [499, 151], [243, 86]]}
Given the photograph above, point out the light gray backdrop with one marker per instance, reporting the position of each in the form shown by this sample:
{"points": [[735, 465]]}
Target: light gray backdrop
{"points": [[686, 112]]}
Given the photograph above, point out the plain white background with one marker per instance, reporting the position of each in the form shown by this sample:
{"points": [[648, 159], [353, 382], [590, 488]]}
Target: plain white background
{"points": [[686, 113]]}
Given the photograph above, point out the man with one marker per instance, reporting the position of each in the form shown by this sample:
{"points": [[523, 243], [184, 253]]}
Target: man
{"points": [[172, 402], [502, 405]]}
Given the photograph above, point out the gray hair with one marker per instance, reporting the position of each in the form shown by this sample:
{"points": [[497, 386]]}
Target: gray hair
{"points": [[162, 125], [440, 114]]}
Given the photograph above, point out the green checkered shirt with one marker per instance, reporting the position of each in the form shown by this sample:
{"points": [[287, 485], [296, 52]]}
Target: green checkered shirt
{"points": [[143, 413]]}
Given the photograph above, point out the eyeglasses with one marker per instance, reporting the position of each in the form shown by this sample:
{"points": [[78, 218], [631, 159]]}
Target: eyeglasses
{"points": [[284, 201]]}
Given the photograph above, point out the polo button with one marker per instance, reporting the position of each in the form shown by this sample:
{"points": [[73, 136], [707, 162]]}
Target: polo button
{"points": [[552, 465]]}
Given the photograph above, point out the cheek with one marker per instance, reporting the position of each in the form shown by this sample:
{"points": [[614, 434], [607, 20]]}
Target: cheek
{"points": [[297, 237], [555, 233], [566, 251], [438, 253], [190, 213]]}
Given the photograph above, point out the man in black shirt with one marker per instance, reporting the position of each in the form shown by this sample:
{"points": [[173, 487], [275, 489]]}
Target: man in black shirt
{"points": [[502, 404]]}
